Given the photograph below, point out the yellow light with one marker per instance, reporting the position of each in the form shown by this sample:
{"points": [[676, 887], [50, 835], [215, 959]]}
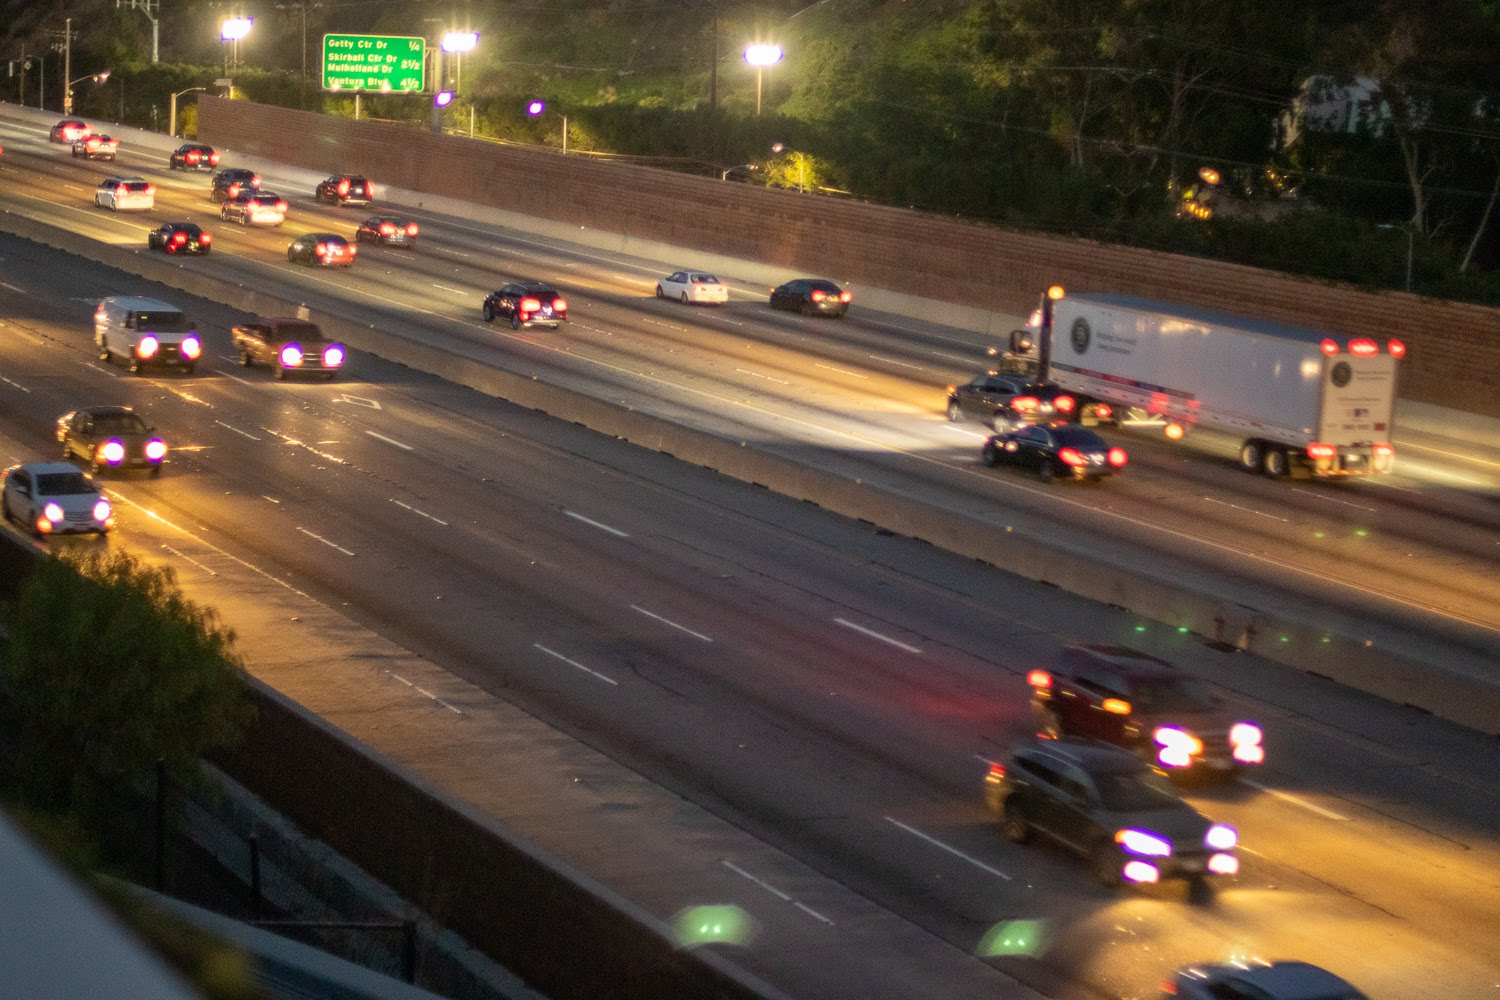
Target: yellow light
{"points": [[1117, 706], [1055, 292]]}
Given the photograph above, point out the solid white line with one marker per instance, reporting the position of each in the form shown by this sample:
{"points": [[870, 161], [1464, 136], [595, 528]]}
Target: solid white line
{"points": [[325, 541], [960, 428], [247, 434], [1296, 801], [575, 663], [764, 885], [453, 252], [234, 378], [1449, 454], [812, 912], [668, 621], [840, 371], [449, 288], [951, 850], [876, 635], [398, 444], [189, 559], [596, 524]]}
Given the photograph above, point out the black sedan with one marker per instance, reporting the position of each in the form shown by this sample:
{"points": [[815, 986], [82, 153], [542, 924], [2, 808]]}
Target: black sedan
{"points": [[345, 189], [193, 156], [321, 249], [526, 303], [111, 437], [389, 230], [1053, 450], [179, 237], [230, 181], [1004, 401], [1107, 805], [812, 297]]}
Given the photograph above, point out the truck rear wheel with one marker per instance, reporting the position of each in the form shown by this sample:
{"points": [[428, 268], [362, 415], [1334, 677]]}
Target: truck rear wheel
{"points": [[1275, 463], [1250, 455]]}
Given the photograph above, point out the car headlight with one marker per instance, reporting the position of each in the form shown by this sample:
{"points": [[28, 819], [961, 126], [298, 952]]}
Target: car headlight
{"points": [[112, 452], [1221, 837], [52, 512], [101, 510], [333, 356], [1224, 864], [191, 348], [291, 355], [156, 449], [1244, 734], [1143, 843], [147, 347]]}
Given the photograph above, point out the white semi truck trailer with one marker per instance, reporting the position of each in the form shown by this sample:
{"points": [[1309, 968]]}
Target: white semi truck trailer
{"points": [[1300, 399]]}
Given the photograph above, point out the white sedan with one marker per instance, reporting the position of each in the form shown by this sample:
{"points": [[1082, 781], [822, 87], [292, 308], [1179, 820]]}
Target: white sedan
{"points": [[693, 286], [54, 498]]}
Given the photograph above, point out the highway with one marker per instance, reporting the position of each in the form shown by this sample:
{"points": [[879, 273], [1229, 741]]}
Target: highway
{"points": [[834, 692]]}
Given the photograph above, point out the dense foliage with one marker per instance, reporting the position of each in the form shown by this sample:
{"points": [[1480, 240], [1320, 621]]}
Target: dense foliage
{"points": [[1353, 139]]}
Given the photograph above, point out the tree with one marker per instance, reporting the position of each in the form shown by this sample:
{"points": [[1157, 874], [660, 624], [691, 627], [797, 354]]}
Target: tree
{"points": [[109, 669]]}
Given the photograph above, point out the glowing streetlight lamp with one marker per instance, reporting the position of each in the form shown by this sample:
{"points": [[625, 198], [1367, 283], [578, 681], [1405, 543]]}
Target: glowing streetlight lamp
{"points": [[68, 95], [231, 32], [536, 109], [761, 56], [456, 43]]}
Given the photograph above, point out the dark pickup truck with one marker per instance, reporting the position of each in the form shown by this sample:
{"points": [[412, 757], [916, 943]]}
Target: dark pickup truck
{"points": [[288, 346]]}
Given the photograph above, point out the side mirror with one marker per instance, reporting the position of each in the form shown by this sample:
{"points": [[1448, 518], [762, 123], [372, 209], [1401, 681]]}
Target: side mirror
{"points": [[1020, 342]]}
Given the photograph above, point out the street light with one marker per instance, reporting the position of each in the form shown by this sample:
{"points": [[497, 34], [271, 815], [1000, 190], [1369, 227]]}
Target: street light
{"points": [[99, 77], [801, 159], [538, 108], [172, 109], [456, 43], [761, 56], [231, 32]]}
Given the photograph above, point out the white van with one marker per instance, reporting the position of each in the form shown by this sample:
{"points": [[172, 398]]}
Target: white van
{"points": [[146, 332]]}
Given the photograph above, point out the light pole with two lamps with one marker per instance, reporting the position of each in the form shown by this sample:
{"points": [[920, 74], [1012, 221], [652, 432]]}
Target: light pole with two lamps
{"points": [[761, 56]]}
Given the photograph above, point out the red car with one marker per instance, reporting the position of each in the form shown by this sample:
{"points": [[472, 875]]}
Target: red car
{"points": [[96, 147]]}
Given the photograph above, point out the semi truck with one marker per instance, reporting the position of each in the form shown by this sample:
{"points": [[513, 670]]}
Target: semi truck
{"points": [[1304, 402]]}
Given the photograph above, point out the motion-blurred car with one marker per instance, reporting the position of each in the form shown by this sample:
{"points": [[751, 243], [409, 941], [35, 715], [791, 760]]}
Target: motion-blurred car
{"points": [[391, 230], [125, 194], [321, 249], [812, 297], [231, 181], [526, 303], [1052, 450], [254, 208], [1258, 981], [693, 286], [1005, 401], [96, 147], [111, 437], [54, 498], [179, 237], [1122, 696], [193, 156], [1107, 805], [69, 130], [288, 346], [345, 189]]}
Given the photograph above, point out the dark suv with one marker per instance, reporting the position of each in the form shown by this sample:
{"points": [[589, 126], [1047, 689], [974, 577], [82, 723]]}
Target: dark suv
{"points": [[345, 189], [1134, 700], [231, 181], [526, 303], [812, 297], [1107, 805]]}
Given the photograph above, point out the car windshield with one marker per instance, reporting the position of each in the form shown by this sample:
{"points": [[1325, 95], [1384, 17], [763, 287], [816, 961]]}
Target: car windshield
{"points": [[1134, 791], [299, 331], [1171, 694], [161, 322], [63, 484], [120, 423]]}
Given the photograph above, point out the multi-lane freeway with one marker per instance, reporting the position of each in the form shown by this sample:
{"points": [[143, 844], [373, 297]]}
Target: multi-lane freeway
{"points": [[832, 691]]}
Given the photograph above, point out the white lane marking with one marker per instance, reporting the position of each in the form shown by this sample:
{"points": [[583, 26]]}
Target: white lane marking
{"points": [[668, 621], [421, 513], [398, 444], [18, 291], [951, 850], [16, 384], [235, 378], [961, 429], [1297, 801], [1450, 454], [189, 559], [102, 371], [1437, 472], [1320, 496], [595, 524], [450, 288], [575, 663], [403, 680], [841, 371], [812, 912], [189, 397], [358, 401], [876, 635], [893, 361], [768, 378], [247, 434], [764, 885], [325, 541], [1247, 510], [455, 253], [272, 499]]}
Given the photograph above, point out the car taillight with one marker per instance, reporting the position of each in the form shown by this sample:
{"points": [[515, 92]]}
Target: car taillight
{"points": [[121, 190], [156, 449], [1039, 679], [333, 356], [351, 250], [150, 188], [560, 305], [191, 348], [846, 297], [255, 180], [1115, 706], [291, 355], [369, 190], [1320, 450], [320, 249], [1384, 449], [234, 189], [1224, 864], [1102, 411], [997, 773], [179, 238], [1169, 988], [205, 238], [1065, 404], [1024, 403], [818, 295], [343, 187], [1071, 456], [530, 305], [281, 206], [193, 157], [1117, 457], [112, 452], [213, 159], [147, 347], [386, 229], [411, 229]]}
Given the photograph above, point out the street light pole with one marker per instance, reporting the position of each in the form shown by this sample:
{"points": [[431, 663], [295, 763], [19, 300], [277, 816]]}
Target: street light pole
{"points": [[172, 105], [761, 56], [67, 65]]}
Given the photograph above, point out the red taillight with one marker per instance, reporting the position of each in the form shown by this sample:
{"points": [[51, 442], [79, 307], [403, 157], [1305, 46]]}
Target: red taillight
{"points": [[818, 295], [1396, 347], [386, 229], [343, 187], [1102, 411], [1069, 456], [150, 188], [1329, 347], [351, 250], [1024, 403], [1117, 457], [997, 773], [846, 297], [411, 229], [1169, 988], [281, 206], [530, 305], [234, 189], [1363, 347], [1039, 679], [179, 238], [255, 180], [369, 190], [320, 249], [1385, 449], [205, 238], [194, 156], [213, 159], [121, 190], [560, 305], [1319, 450], [1064, 404]]}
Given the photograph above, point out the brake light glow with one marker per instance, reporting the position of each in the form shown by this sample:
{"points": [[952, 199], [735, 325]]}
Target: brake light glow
{"points": [[846, 297], [351, 250], [156, 449], [1065, 404], [1384, 449], [530, 305], [1363, 347], [1140, 871], [213, 159], [1224, 864], [1040, 679], [369, 190], [190, 347], [255, 180], [559, 305], [1070, 456], [818, 295], [179, 238], [411, 229], [121, 190], [1174, 432], [1024, 403], [343, 187], [205, 238], [147, 347], [1329, 347], [281, 206], [1396, 347], [386, 229], [291, 356], [1145, 844], [234, 189], [1320, 450], [150, 188], [320, 249], [112, 452], [996, 773], [1116, 706], [1117, 457], [333, 356], [1220, 837], [194, 156], [1102, 411]]}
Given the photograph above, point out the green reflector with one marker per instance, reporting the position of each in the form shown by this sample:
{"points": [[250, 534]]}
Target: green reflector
{"points": [[713, 925], [1013, 937]]}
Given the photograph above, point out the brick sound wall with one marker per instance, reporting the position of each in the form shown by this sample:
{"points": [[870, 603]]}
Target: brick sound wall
{"points": [[1454, 349]]}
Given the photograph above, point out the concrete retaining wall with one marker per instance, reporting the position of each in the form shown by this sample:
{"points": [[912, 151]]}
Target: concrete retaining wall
{"points": [[1454, 349]]}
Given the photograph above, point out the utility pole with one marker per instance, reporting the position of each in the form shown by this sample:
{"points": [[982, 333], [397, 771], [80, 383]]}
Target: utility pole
{"points": [[713, 65], [151, 8], [67, 66]]}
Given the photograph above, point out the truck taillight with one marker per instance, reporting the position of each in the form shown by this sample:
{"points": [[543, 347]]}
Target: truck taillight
{"points": [[1396, 347], [1064, 404], [1385, 449], [1103, 411], [1319, 450], [1363, 347], [1039, 679], [1329, 347]]}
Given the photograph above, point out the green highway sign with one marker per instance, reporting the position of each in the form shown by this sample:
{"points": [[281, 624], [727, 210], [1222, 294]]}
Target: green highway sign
{"points": [[380, 63]]}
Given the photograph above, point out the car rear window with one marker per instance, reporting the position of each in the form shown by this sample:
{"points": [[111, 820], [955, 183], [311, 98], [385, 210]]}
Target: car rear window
{"points": [[706, 279], [62, 484], [823, 286], [137, 186]]}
